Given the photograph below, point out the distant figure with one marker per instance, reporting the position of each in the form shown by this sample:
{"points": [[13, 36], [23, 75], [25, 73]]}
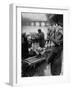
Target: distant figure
{"points": [[24, 46], [41, 38], [55, 58]]}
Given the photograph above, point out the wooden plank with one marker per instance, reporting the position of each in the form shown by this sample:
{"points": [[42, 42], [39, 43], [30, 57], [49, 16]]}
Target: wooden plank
{"points": [[34, 60]]}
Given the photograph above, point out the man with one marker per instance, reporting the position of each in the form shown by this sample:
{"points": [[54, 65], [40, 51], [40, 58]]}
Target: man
{"points": [[55, 58], [41, 38], [25, 53], [24, 46]]}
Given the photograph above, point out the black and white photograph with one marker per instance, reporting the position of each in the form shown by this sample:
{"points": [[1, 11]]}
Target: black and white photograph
{"points": [[38, 45], [41, 44]]}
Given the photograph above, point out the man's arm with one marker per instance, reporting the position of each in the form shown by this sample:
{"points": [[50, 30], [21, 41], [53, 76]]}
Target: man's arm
{"points": [[54, 40]]}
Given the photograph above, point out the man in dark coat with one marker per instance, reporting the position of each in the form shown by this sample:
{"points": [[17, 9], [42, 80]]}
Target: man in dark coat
{"points": [[24, 53], [24, 46], [41, 38], [55, 58]]}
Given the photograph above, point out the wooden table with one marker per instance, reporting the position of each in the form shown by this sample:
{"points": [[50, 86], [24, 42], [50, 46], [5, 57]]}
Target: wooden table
{"points": [[30, 64], [34, 60]]}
